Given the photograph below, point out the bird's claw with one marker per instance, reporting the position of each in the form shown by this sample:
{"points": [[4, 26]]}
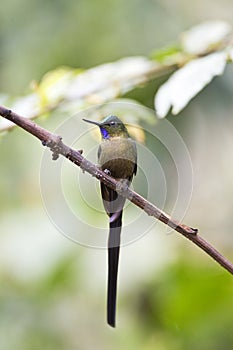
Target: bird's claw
{"points": [[122, 186], [107, 172]]}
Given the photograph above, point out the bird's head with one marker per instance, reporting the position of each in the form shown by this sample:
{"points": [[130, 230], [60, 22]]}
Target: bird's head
{"points": [[111, 126]]}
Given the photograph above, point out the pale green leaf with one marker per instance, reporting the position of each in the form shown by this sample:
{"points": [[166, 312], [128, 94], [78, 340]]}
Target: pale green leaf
{"points": [[167, 54]]}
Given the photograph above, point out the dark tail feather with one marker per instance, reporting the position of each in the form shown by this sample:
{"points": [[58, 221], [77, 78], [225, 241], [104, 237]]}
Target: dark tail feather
{"points": [[113, 259]]}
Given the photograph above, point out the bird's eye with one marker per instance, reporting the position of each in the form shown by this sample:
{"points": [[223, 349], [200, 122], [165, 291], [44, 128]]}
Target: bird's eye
{"points": [[113, 123]]}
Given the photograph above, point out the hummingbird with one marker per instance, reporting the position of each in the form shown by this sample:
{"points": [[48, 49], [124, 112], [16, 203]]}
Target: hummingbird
{"points": [[117, 156]]}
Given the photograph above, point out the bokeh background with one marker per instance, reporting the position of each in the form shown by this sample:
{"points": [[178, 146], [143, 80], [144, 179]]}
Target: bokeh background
{"points": [[171, 295]]}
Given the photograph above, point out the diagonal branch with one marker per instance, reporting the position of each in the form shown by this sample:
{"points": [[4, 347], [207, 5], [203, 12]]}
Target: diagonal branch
{"points": [[54, 142]]}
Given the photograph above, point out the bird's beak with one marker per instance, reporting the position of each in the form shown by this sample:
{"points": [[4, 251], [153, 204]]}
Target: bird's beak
{"points": [[91, 122]]}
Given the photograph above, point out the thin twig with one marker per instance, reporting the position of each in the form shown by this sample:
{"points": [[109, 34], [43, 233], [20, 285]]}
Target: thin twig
{"points": [[54, 142]]}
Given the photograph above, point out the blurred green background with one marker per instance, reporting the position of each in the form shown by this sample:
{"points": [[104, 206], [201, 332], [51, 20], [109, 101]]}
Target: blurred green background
{"points": [[171, 295]]}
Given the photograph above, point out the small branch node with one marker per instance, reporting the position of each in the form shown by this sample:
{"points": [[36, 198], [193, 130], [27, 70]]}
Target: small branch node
{"points": [[54, 143], [195, 231], [122, 187], [55, 156]]}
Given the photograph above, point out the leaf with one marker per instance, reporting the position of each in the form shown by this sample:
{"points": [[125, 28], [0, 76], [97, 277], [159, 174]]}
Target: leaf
{"points": [[205, 36], [109, 80], [137, 134], [167, 54], [78, 89], [183, 85], [54, 85]]}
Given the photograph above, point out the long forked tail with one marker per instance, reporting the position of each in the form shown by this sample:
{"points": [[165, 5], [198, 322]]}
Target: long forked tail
{"points": [[113, 259]]}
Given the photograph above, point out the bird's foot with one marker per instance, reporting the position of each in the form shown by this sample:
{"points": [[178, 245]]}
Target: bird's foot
{"points": [[107, 172], [122, 186]]}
